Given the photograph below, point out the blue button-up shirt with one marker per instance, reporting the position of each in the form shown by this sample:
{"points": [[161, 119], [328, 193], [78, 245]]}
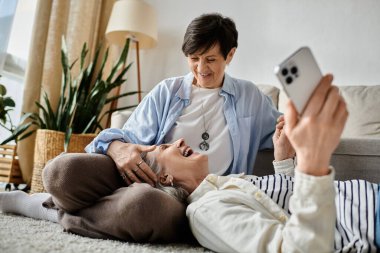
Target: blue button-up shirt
{"points": [[250, 116]]}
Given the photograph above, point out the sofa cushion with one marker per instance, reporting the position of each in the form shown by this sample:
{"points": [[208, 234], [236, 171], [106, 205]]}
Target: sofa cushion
{"points": [[353, 159], [363, 104], [271, 91], [282, 101], [358, 147], [357, 159], [119, 118]]}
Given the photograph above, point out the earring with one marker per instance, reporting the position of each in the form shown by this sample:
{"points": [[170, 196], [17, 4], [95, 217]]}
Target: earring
{"points": [[165, 179]]}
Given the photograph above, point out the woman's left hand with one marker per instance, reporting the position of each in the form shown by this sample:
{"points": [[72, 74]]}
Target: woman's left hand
{"points": [[282, 147], [316, 133]]}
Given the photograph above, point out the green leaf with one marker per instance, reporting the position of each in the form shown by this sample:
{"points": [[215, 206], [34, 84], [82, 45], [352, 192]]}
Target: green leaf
{"points": [[8, 139], [91, 72], [25, 116], [9, 102], [68, 134], [119, 79], [3, 90], [64, 58], [16, 132], [121, 61], [121, 95], [3, 119], [45, 118], [26, 135], [52, 119], [124, 54], [21, 128], [89, 124], [83, 55], [37, 120], [5, 127]]}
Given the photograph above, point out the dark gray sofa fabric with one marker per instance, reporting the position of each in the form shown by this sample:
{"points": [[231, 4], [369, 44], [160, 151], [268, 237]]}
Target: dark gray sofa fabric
{"points": [[357, 158], [353, 159]]}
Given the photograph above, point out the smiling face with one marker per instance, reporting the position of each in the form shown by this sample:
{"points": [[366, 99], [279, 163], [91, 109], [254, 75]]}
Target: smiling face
{"points": [[208, 67], [180, 164]]}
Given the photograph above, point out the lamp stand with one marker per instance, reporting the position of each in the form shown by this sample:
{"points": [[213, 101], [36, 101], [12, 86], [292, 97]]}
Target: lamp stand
{"points": [[138, 69]]}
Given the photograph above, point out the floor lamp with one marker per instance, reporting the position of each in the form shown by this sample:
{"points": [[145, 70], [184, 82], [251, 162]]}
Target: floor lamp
{"points": [[133, 19]]}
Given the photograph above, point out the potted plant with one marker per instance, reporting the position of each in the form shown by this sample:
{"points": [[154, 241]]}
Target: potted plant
{"points": [[17, 132], [82, 98], [73, 123], [9, 167]]}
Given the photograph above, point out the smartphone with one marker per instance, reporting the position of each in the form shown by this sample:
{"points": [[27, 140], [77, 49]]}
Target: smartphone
{"points": [[299, 75]]}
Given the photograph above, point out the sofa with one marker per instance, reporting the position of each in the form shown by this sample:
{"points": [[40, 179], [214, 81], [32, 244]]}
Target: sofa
{"points": [[358, 154]]}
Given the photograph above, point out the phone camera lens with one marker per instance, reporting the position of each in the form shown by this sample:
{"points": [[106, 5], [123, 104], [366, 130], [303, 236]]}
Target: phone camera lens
{"points": [[284, 71], [294, 70], [289, 80]]}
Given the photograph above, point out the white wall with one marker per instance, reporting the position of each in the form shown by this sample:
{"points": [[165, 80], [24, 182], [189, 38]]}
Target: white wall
{"points": [[343, 34]]}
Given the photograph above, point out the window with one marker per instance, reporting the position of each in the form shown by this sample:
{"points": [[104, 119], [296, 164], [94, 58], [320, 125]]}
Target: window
{"points": [[16, 23], [7, 11]]}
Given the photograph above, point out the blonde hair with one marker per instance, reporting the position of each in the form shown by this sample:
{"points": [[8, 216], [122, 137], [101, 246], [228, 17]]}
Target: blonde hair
{"points": [[175, 191]]}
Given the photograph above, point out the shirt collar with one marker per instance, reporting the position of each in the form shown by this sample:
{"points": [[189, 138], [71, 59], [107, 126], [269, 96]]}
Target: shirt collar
{"points": [[228, 85], [184, 91], [210, 183]]}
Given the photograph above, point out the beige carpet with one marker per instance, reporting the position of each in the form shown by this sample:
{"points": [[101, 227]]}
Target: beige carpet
{"points": [[26, 235]]}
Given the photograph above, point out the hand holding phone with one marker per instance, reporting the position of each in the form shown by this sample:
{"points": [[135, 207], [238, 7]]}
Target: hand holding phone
{"points": [[299, 75]]}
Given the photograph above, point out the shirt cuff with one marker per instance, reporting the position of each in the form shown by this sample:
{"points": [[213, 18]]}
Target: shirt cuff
{"points": [[285, 167], [309, 185], [103, 140]]}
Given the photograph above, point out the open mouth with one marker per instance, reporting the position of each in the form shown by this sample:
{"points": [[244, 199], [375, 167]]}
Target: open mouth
{"points": [[187, 152], [204, 75]]}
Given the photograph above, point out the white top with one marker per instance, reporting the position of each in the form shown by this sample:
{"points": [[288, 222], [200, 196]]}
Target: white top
{"points": [[230, 214], [205, 112], [279, 213]]}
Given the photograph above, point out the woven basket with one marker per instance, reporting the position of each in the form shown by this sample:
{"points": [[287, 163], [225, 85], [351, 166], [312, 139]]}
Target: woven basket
{"points": [[49, 144], [9, 167]]}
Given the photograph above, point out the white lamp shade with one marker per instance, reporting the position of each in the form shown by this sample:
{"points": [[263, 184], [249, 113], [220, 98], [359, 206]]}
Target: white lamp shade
{"points": [[132, 18]]}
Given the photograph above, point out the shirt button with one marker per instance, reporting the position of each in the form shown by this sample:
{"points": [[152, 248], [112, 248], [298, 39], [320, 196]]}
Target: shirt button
{"points": [[258, 195], [282, 218], [162, 133]]}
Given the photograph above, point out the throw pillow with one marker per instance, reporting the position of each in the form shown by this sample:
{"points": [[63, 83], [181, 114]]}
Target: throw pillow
{"points": [[271, 91], [363, 103]]}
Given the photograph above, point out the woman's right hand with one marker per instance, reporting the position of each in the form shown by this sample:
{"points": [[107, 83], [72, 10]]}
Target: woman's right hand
{"points": [[283, 149], [132, 168]]}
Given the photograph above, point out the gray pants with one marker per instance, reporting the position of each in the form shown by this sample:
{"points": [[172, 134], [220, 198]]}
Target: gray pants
{"points": [[94, 201]]}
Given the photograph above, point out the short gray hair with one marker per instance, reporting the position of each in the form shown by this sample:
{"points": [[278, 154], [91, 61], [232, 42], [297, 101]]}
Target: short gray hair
{"points": [[175, 191]]}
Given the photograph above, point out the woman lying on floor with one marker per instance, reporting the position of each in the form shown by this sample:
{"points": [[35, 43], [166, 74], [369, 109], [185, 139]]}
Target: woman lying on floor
{"points": [[256, 214]]}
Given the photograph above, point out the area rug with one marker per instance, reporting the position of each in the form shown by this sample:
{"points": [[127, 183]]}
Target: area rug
{"points": [[21, 234]]}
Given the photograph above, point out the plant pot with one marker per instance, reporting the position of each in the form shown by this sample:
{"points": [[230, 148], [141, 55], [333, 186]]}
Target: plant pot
{"points": [[48, 145], [10, 172]]}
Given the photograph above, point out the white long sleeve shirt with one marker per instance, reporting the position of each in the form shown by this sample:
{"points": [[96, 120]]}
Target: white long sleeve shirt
{"points": [[279, 213]]}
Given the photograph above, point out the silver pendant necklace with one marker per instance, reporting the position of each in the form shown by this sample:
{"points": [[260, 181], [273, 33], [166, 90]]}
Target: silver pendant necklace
{"points": [[204, 145]]}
